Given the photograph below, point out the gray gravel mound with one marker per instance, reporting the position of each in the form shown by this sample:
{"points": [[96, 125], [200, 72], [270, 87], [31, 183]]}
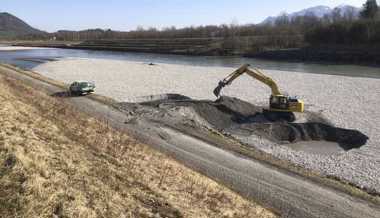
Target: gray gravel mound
{"points": [[239, 118]]}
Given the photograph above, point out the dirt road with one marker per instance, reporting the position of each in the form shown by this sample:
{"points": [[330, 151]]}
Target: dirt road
{"points": [[288, 194]]}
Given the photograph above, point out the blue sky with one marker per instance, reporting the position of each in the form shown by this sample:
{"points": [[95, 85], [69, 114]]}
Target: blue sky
{"points": [[51, 15]]}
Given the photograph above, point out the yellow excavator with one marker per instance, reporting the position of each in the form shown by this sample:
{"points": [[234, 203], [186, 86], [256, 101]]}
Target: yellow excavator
{"points": [[278, 102]]}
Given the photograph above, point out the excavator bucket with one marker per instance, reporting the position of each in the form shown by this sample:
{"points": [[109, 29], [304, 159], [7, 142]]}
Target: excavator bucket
{"points": [[219, 88]]}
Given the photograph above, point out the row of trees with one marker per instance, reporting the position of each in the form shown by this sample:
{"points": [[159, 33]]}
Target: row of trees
{"points": [[210, 31], [361, 31]]}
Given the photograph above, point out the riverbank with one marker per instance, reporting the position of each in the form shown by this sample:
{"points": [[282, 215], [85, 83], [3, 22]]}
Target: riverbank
{"points": [[59, 162], [190, 46], [256, 47], [363, 55], [325, 95], [237, 46]]}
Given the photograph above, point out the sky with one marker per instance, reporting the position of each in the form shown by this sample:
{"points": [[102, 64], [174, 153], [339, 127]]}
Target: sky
{"points": [[51, 15]]}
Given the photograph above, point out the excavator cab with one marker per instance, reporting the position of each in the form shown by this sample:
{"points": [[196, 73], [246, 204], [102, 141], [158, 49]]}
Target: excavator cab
{"points": [[285, 103]]}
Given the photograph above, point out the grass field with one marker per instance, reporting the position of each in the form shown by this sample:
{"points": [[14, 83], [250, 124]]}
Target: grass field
{"points": [[58, 162]]}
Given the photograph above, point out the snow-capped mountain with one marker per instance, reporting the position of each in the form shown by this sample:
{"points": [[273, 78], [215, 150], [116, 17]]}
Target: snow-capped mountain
{"points": [[319, 11], [344, 9]]}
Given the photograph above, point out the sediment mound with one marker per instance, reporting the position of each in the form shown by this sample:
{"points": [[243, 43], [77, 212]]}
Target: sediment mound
{"points": [[237, 117]]}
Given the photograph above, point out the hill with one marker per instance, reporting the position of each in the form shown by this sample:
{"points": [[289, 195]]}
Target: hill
{"points": [[11, 26]]}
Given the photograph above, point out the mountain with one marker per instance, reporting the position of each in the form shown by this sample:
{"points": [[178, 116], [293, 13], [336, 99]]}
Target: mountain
{"points": [[319, 11], [11, 26], [344, 9]]}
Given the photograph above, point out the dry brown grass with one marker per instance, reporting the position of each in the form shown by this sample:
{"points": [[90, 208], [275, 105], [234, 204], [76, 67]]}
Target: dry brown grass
{"points": [[58, 162]]}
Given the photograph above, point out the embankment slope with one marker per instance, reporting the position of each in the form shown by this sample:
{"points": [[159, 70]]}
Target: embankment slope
{"points": [[58, 162]]}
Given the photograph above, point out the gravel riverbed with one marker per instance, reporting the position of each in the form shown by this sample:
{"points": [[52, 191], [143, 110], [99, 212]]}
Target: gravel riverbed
{"points": [[347, 102]]}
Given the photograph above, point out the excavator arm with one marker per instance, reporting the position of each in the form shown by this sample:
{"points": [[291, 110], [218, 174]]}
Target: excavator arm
{"points": [[255, 73]]}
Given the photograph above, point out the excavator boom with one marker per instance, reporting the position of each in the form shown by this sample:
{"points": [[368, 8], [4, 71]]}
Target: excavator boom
{"points": [[255, 73]]}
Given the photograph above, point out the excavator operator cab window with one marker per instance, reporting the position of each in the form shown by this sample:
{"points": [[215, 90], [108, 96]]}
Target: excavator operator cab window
{"points": [[274, 100], [279, 100], [293, 99]]}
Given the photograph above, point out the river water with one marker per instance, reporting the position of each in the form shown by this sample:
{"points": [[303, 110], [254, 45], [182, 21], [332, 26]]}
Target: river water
{"points": [[28, 59]]}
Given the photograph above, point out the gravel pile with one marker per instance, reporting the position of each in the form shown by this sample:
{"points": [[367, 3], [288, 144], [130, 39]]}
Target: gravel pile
{"points": [[235, 117], [346, 102]]}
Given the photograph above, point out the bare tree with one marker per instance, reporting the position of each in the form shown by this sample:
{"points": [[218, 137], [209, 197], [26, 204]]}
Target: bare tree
{"points": [[336, 15], [350, 14], [370, 9], [282, 20]]}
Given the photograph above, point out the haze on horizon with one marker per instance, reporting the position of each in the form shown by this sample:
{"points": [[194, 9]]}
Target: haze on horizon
{"points": [[127, 15]]}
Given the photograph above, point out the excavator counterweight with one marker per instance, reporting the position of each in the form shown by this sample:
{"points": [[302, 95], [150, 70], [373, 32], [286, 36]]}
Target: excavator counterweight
{"points": [[278, 102]]}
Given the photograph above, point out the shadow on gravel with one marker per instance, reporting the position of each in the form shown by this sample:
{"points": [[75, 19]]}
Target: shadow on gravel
{"points": [[66, 95], [156, 100], [61, 94], [240, 118], [288, 133]]}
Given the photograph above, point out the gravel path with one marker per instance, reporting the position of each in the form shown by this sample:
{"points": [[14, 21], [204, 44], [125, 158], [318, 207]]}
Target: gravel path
{"points": [[352, 103]]}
